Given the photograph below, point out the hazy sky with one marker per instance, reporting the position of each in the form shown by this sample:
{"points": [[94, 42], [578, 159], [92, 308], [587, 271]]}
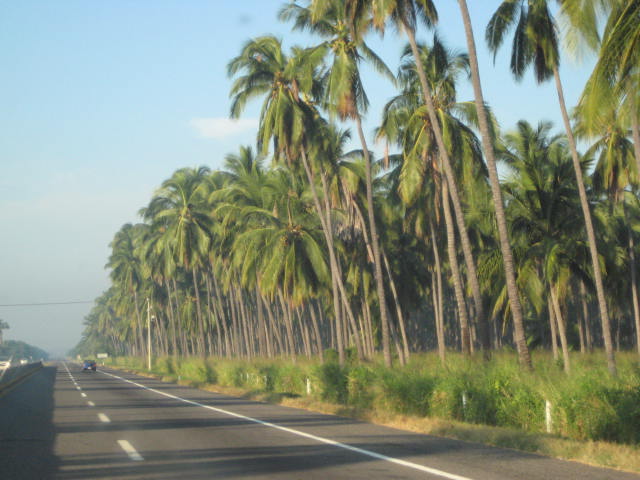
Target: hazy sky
{"points": [[100, 101]]}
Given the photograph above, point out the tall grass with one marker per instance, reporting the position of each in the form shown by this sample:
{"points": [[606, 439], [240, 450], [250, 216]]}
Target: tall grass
{"points": [[588, 404]]}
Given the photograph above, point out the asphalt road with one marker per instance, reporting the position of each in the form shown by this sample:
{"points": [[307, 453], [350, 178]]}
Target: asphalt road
{"points": [[63, 423]]}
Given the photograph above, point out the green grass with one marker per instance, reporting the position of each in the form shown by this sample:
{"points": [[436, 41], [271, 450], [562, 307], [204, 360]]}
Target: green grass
{"points": [[467, 395]]}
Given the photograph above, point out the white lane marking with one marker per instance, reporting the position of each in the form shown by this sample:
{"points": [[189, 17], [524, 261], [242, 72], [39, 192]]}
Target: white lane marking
{"points": [[83, 395], [78, 388], [128, 448], [328, 441], [91, 404], [103, 418]]}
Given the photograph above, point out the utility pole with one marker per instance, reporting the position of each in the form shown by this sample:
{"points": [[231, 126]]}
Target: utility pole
{"points": [[148, 334]]}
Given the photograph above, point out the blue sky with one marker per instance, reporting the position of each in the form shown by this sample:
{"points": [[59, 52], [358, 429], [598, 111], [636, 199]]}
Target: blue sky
{"points": [[100, 101]]}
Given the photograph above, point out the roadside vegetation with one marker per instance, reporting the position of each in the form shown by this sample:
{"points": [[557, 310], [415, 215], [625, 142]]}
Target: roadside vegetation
{"points": [[297, 246], [593, 417]]}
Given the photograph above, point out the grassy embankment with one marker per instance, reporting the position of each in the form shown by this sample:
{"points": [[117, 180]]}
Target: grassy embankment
{"points": [[594, 418]]}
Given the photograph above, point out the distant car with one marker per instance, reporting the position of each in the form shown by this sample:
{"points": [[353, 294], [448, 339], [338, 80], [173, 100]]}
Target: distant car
{"points": [[89, 365]]}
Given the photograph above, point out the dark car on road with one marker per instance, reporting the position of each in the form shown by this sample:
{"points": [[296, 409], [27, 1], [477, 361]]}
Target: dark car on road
{"points": [[89, 365]]}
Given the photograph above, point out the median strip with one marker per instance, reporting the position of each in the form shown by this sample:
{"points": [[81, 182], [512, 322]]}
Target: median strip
{"points": [[128, 448]]}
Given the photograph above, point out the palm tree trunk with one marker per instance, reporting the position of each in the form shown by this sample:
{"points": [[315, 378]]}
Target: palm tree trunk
{"points": [[263, 323], [199, 313], [438, 295], [247, 326], [316, 331], [288, 324], [348, 311], [635, 131], [139, 335], [634, 288], [222, 317], [235, 329], [278, 347], [591, 236], [562, 330], [404, 358], [472, 275], [552, 326], [172, 318], [375, 246], [366, 311], [496, 193], [213, 313], [336, 278], [585, 315], [455, 273]]}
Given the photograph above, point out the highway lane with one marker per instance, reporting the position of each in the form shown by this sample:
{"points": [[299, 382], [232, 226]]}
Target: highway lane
{"points": [[85, 425]]}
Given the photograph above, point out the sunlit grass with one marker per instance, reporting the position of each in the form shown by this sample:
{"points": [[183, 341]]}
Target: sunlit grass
{"points": [[595, 418]]}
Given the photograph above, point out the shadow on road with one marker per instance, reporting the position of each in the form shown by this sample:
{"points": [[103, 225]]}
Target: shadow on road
{"points": [[27, 433]]}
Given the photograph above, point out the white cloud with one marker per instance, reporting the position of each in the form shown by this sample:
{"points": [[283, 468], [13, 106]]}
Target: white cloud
{"points": [[222, 127]]}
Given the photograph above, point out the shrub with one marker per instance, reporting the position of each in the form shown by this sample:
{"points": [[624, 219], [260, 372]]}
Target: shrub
{"points": [[407, 392], [197, 370], [333, 382], [360, 381]]}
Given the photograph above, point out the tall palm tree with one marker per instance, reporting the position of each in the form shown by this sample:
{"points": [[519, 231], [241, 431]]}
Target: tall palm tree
{"points": [[496, 193], [536, 43], [346, 99], [287, 121], [126, 268], [404, 15], [179, 210], [543, 211], [406, 121], [618, 67]]}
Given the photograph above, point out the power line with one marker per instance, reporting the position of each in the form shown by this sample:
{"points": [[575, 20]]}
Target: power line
{"points": [[44, 304]]}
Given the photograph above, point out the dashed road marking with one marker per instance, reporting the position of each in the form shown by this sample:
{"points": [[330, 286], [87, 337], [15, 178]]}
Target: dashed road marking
{"points": [[91, 404], [128, 448], [103, 418], [84, 394], [327, 441]]}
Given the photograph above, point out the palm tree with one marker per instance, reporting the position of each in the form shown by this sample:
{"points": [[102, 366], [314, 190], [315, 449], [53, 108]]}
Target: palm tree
{"points": [[536, 43], [617, 70], [542, 208], [289, 121], [407, 123], [496, 193], [404, 14], [126, 270], [346, 99], [179, 210]]}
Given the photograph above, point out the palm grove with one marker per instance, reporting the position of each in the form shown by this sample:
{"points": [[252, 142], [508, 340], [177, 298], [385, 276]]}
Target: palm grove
{"points": [[298, 245]]}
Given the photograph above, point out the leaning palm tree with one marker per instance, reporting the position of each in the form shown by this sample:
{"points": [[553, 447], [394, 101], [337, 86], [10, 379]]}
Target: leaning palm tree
{"points": [[404, 15], [406, 122], [496, 193], [536, 43], [287, 121], [346, 99]]}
